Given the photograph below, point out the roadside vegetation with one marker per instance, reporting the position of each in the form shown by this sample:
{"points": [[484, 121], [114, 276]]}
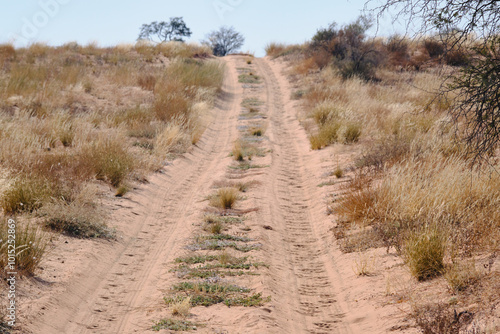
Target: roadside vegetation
{"points": [[78, 121], [414, 187]]}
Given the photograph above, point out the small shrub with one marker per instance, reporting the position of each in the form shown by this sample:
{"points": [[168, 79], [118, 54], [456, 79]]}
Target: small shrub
{"points": [[122, 190], [338, 172], [175, 325], [457, 57], [397, 47], [434, 47], [424, 253], [328, 134], [215, 228], [436, 319], [257, 132], [364, 265]]}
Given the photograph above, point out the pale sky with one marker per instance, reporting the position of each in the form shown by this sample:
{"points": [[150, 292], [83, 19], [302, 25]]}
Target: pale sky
{"points": [[111, 22]]}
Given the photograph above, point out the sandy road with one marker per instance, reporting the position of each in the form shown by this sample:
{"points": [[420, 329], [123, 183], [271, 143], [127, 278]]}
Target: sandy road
{"points": [[121, 288]]}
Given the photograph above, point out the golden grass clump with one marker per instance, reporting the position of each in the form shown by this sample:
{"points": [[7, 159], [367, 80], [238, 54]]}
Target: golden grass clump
{"points": [[225, 198], [237, 151], [31, 243], [109, 160], [26, 193], [181, 307], [424, 252]]}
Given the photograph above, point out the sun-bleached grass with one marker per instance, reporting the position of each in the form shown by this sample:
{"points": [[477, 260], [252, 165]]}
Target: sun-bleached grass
{"points": [[424, 251], [31, 243], [225, 198], [75, 114], [181, 307]]}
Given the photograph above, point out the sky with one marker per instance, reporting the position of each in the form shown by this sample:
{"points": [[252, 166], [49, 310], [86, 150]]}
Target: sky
{"points": [[112, 22]]}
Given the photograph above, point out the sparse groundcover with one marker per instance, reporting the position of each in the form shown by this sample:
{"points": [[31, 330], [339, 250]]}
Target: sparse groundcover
{"points": [[76, 219], [245, 165], [207, 294], [243, 148], [252, 103], [218, 244], [249, 78], [178, 325]]}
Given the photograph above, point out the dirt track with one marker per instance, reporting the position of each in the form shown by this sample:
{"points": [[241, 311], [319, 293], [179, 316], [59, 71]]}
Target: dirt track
{"points": [[121, 284]]}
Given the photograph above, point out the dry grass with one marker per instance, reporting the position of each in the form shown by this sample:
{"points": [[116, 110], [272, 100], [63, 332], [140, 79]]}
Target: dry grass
{"points": [[31, 243], [462, 275], [413, 189], [181, 307], [424, 252], [74, 114], [225, 198]]}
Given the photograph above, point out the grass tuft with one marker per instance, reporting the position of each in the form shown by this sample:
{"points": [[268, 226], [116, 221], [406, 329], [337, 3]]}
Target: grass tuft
{"points": [[31, 243], [424, 252], [225, 198]]}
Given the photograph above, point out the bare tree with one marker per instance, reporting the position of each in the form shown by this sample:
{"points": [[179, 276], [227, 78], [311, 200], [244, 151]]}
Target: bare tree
{"points": [[224, 41], [165, 31], [477, 82]]}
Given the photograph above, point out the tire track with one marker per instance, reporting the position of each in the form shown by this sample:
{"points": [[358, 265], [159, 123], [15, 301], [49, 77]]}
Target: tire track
{"points": [[303, 287]]}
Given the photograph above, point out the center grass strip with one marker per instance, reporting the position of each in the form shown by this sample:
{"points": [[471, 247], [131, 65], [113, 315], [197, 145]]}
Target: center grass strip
{"points": [[207, 294]]}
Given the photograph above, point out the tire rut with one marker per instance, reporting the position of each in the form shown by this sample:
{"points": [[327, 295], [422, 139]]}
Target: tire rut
{"points": [[298, 265]]}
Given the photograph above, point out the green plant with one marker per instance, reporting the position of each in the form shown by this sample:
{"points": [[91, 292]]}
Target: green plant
{"points": [[424, 252], [122, 190], [175, 325]]}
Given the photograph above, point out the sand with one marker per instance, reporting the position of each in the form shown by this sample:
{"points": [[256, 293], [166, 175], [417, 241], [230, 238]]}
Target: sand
{"points": [[89, 286]]}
